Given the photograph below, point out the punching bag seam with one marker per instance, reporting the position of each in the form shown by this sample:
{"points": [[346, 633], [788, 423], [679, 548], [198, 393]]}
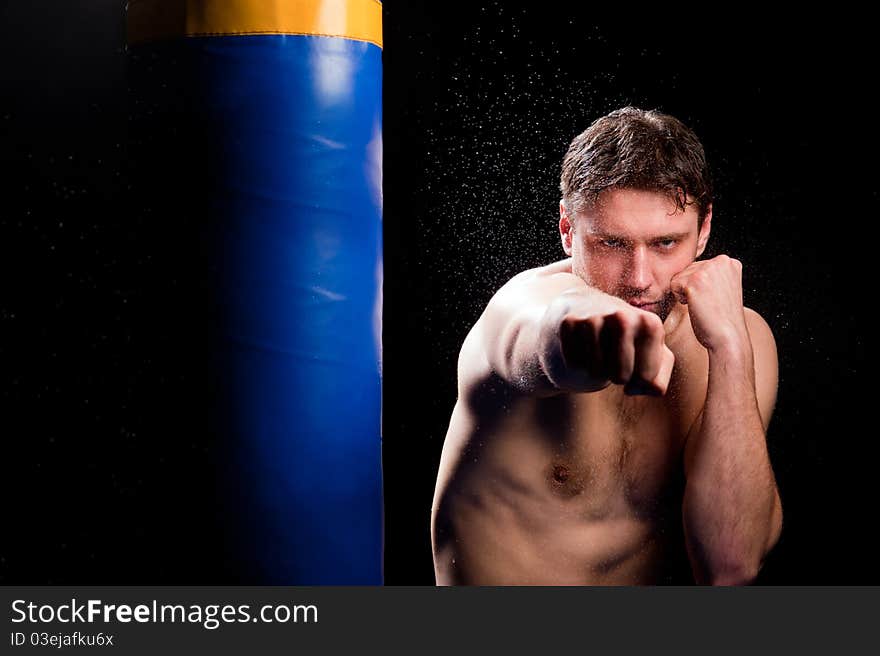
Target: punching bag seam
{"points": [[256, 32]]}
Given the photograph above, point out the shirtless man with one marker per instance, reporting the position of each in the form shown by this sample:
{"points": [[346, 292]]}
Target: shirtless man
{"points": [[612, 406]]}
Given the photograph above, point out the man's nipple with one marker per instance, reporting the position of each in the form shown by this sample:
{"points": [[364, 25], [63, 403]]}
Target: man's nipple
{"points": [[564, 481], [561, 473]]}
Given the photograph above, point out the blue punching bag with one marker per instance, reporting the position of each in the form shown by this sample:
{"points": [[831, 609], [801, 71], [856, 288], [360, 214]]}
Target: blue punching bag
{"points": [[285, 96]]}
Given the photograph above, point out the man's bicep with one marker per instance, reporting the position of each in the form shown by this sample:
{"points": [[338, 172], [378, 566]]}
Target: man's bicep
{"points": [[766, 380], [766, 364]]}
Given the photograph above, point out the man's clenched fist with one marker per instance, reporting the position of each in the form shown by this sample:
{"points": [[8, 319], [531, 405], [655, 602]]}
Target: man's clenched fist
{"points": [[604, 341], [712, 290]]}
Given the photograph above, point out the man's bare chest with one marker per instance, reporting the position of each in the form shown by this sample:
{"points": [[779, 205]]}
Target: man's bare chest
{"points": [[608, 453]]}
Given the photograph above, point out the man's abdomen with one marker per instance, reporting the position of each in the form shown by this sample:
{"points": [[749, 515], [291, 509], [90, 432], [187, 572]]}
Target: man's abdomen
{"points": [[526, 506]]}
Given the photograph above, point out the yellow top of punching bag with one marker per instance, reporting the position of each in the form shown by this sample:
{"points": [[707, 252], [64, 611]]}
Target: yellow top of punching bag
{"points": [[152, 20]]}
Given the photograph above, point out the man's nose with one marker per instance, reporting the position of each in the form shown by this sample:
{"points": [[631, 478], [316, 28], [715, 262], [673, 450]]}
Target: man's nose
{"points": [[638, 270]]}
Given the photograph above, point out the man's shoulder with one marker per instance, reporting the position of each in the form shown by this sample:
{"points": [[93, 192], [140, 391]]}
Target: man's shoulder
{"points": [[757, 325], [761, 336], [763, 343], [766, 361], [554, 275], [528, 289], [560, 267]]}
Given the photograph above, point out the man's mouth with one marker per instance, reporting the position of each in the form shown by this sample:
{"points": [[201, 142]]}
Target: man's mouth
{"points": [[644, 305]]}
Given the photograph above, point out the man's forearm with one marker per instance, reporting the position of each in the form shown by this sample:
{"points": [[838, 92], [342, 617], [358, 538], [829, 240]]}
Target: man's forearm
{"points": [[731, 513], [533, 358]]}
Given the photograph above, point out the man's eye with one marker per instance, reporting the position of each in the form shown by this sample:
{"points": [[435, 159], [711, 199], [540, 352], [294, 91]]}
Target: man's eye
{"points": [[611, 243], [666, 243]]}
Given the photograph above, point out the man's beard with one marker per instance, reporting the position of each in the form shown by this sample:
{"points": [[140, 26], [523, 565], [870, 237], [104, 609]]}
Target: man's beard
{"points": [[664, 307]]}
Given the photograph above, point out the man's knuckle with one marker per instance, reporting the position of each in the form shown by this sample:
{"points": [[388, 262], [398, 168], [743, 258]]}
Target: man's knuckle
{"points": [[651, 324], [617, 319], [593, 324], [568, 324], [631, 322]]}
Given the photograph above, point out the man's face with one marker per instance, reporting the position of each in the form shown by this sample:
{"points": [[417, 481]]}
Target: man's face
{"points": [[631, 243]]}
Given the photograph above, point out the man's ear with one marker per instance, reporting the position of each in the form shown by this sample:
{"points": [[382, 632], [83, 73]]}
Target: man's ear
{"points": [[703, 237], [566, 227]]}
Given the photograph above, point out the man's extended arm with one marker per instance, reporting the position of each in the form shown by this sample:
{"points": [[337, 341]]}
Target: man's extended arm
{"points": [[732, 512], [550, 333], [514, 330]]}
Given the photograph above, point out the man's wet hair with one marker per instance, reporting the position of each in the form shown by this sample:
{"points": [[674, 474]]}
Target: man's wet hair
{"points": [[636, 149]]}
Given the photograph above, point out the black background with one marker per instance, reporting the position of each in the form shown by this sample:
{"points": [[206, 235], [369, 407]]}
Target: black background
{"points": [[108, 473]]}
